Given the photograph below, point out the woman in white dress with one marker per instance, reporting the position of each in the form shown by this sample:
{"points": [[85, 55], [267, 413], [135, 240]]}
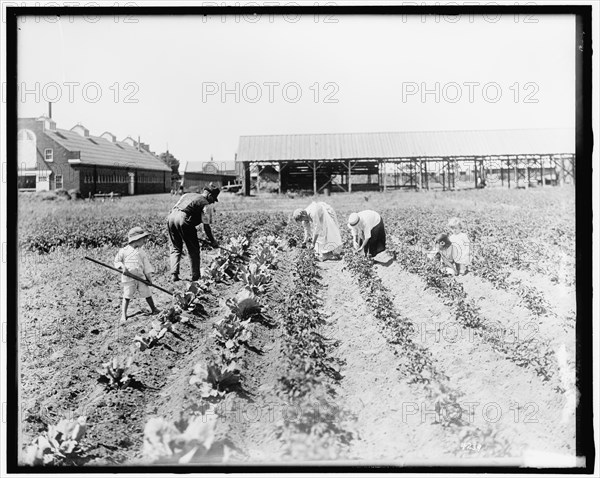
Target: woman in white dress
{"points": [[321, 228]]}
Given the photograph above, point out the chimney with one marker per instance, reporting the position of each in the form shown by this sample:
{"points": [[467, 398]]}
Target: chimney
{"points": [[81, 130], [130, 141], [48, 123], [108, 136], [50, 109], [138, 143]]}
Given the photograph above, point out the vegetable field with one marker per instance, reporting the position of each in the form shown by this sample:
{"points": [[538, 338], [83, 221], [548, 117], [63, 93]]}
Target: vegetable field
{"points": [[274, 357]]}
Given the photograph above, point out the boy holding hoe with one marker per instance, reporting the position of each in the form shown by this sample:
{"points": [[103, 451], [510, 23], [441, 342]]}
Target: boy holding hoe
{"points": [[132, 258]]}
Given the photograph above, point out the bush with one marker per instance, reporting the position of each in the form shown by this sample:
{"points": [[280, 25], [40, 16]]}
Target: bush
{"points": [[63, 193], [47, 195]]}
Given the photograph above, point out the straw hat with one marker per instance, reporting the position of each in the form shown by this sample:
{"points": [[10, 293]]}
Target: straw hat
{"points": [[135, 234], [300, 214], [353, 219]]}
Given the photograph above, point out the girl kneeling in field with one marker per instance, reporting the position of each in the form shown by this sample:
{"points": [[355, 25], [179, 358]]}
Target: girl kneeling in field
{"points": [[447, 254], [132, 258]]}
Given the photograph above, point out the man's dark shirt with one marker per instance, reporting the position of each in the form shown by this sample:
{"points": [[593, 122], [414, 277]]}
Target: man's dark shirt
{"points": [[193, 205]]}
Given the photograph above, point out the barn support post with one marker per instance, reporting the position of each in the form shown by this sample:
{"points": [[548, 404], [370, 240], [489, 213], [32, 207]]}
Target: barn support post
{"points": [[419, 174], [508, 171], [542, 173], [246, 178], [279, 178], [475, 170], [528, 174], [557, 171], [349, 176], [483, 170], [426, 176], [562, 171], [501, 174], [314, 168], [281, 166], [454, 172], [384, 174], [443, 177]]}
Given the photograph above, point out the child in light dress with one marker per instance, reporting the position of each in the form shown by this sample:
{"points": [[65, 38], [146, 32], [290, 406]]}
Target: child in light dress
{"points": [[460, 239], [453, 250], [132, 258]]}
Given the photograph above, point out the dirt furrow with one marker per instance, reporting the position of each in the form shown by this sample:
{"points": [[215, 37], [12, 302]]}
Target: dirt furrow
{"points": [[250, 419], [524, 409], [372, 389], [507, 308], [560, 297]]}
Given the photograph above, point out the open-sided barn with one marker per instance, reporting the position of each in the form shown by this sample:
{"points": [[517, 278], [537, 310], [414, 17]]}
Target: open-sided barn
{"points": [[377, 161], [51, 158]]}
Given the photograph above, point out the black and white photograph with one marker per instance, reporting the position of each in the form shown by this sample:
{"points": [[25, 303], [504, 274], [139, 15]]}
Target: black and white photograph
{"points": [[299, 236]]}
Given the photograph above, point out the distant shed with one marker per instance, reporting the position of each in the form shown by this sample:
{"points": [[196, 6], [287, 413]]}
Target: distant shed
{"points": [[198, 174], [376, 161]]}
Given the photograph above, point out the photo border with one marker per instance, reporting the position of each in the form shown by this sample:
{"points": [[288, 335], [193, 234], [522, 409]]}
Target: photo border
{"points": [[585, 446]]}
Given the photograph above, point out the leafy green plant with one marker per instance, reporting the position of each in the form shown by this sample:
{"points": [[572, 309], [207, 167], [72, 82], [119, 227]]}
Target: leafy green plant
{"points": [[59, 445], [189, 300], [158, 331], [117, 373], [215, 380], [216, 270], [231, 334], [255, 278], [183, 442]]}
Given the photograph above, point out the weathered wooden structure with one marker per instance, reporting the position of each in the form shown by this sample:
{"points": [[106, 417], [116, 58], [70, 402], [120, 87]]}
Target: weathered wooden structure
{"points": [[418, 160]]}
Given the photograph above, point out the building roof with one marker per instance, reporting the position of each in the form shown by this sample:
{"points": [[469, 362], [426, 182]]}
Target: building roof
{"points": [[409, 144], [208, 167], [95, 150]]}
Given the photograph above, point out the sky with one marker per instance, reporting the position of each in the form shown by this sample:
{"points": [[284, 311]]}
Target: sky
{"points": [[196, 84]]}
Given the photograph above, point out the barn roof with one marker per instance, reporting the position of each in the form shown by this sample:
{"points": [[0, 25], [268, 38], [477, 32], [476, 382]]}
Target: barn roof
{"points": [[409, 144], [207, 167], [95, 150]]}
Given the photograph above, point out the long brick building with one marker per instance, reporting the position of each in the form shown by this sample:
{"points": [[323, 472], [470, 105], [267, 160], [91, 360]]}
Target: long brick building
{"points": [[51, 158]]}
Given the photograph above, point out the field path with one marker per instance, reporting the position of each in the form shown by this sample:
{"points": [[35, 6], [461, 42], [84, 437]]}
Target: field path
{"points": [[372, 389], [253, 419], [513, 400], [506, 307]]}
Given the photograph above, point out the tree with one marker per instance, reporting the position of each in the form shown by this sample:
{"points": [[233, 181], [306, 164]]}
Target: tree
{"points": [[173, 163]]}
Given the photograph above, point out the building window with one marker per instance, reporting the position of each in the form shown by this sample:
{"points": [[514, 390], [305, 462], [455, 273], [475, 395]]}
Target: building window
{"points": [[59, 181], [49, 154]]}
